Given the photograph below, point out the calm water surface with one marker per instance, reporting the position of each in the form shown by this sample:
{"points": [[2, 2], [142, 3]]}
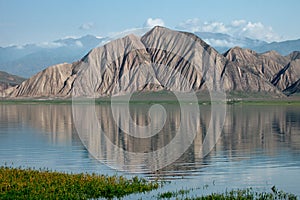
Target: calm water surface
{"points": [[259, 146]]}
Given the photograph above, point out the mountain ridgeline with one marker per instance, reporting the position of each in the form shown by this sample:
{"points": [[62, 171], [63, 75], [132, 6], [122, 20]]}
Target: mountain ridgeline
{"points": [[163, 59], [8, 80]]}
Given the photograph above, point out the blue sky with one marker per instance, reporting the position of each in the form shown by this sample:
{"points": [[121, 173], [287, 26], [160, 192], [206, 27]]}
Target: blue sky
{"points": [[34, 21]]}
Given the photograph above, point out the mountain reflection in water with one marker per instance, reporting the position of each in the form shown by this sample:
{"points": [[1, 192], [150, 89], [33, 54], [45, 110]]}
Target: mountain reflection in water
{"points": [[246, 129]]}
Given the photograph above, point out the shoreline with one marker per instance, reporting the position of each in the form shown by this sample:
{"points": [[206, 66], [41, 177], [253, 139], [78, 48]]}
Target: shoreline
{"points": [[234, 101], [40, 184], [167, 97]]}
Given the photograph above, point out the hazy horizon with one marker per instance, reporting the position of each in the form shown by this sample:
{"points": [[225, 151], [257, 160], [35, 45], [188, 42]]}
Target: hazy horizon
{"points": [[36, 22]]}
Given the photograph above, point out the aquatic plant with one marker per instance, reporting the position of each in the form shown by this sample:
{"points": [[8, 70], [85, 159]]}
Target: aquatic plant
{"points": [[240, 194], [44, 184]]}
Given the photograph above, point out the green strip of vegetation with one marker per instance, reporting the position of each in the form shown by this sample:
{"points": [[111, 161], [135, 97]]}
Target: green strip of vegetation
{"points": [[166, 97], [34, 184], [264, 102], [239, 194], [105, 102], [44, 184], [35, 101]]}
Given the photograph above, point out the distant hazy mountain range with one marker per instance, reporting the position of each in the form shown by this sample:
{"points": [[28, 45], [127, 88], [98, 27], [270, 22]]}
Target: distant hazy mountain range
{"points": [[222, 42], [161, 60], [29, 59]]}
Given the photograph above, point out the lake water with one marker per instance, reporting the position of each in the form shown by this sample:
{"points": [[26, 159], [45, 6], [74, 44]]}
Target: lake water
{"points": [[259, 146]]}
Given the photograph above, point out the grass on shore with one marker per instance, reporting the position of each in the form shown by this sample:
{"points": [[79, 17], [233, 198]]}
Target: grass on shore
{"points": [[33, 184], [167, 97], [265, 102], [239, 194]]}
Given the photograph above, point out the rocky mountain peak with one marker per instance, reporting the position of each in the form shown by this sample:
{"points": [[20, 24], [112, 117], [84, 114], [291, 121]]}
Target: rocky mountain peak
{"points": [[239, 54], [161, 59], [157, 30], [272, 54]]}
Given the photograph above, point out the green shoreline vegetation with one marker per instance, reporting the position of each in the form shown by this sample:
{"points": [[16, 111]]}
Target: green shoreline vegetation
{"points": [[167, 97], [18, 183], [265, 102], [239, 194]]}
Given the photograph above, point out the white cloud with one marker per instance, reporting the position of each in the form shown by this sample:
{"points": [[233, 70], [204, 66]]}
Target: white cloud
{"points": [[258, 31], [86, 26], [78, 43], [154, 22], [192, 25], [20, 47], [215, 27], [196, 25], [236, 23], [237, 28], [70, 37], [221, 43], [50, 44]]}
